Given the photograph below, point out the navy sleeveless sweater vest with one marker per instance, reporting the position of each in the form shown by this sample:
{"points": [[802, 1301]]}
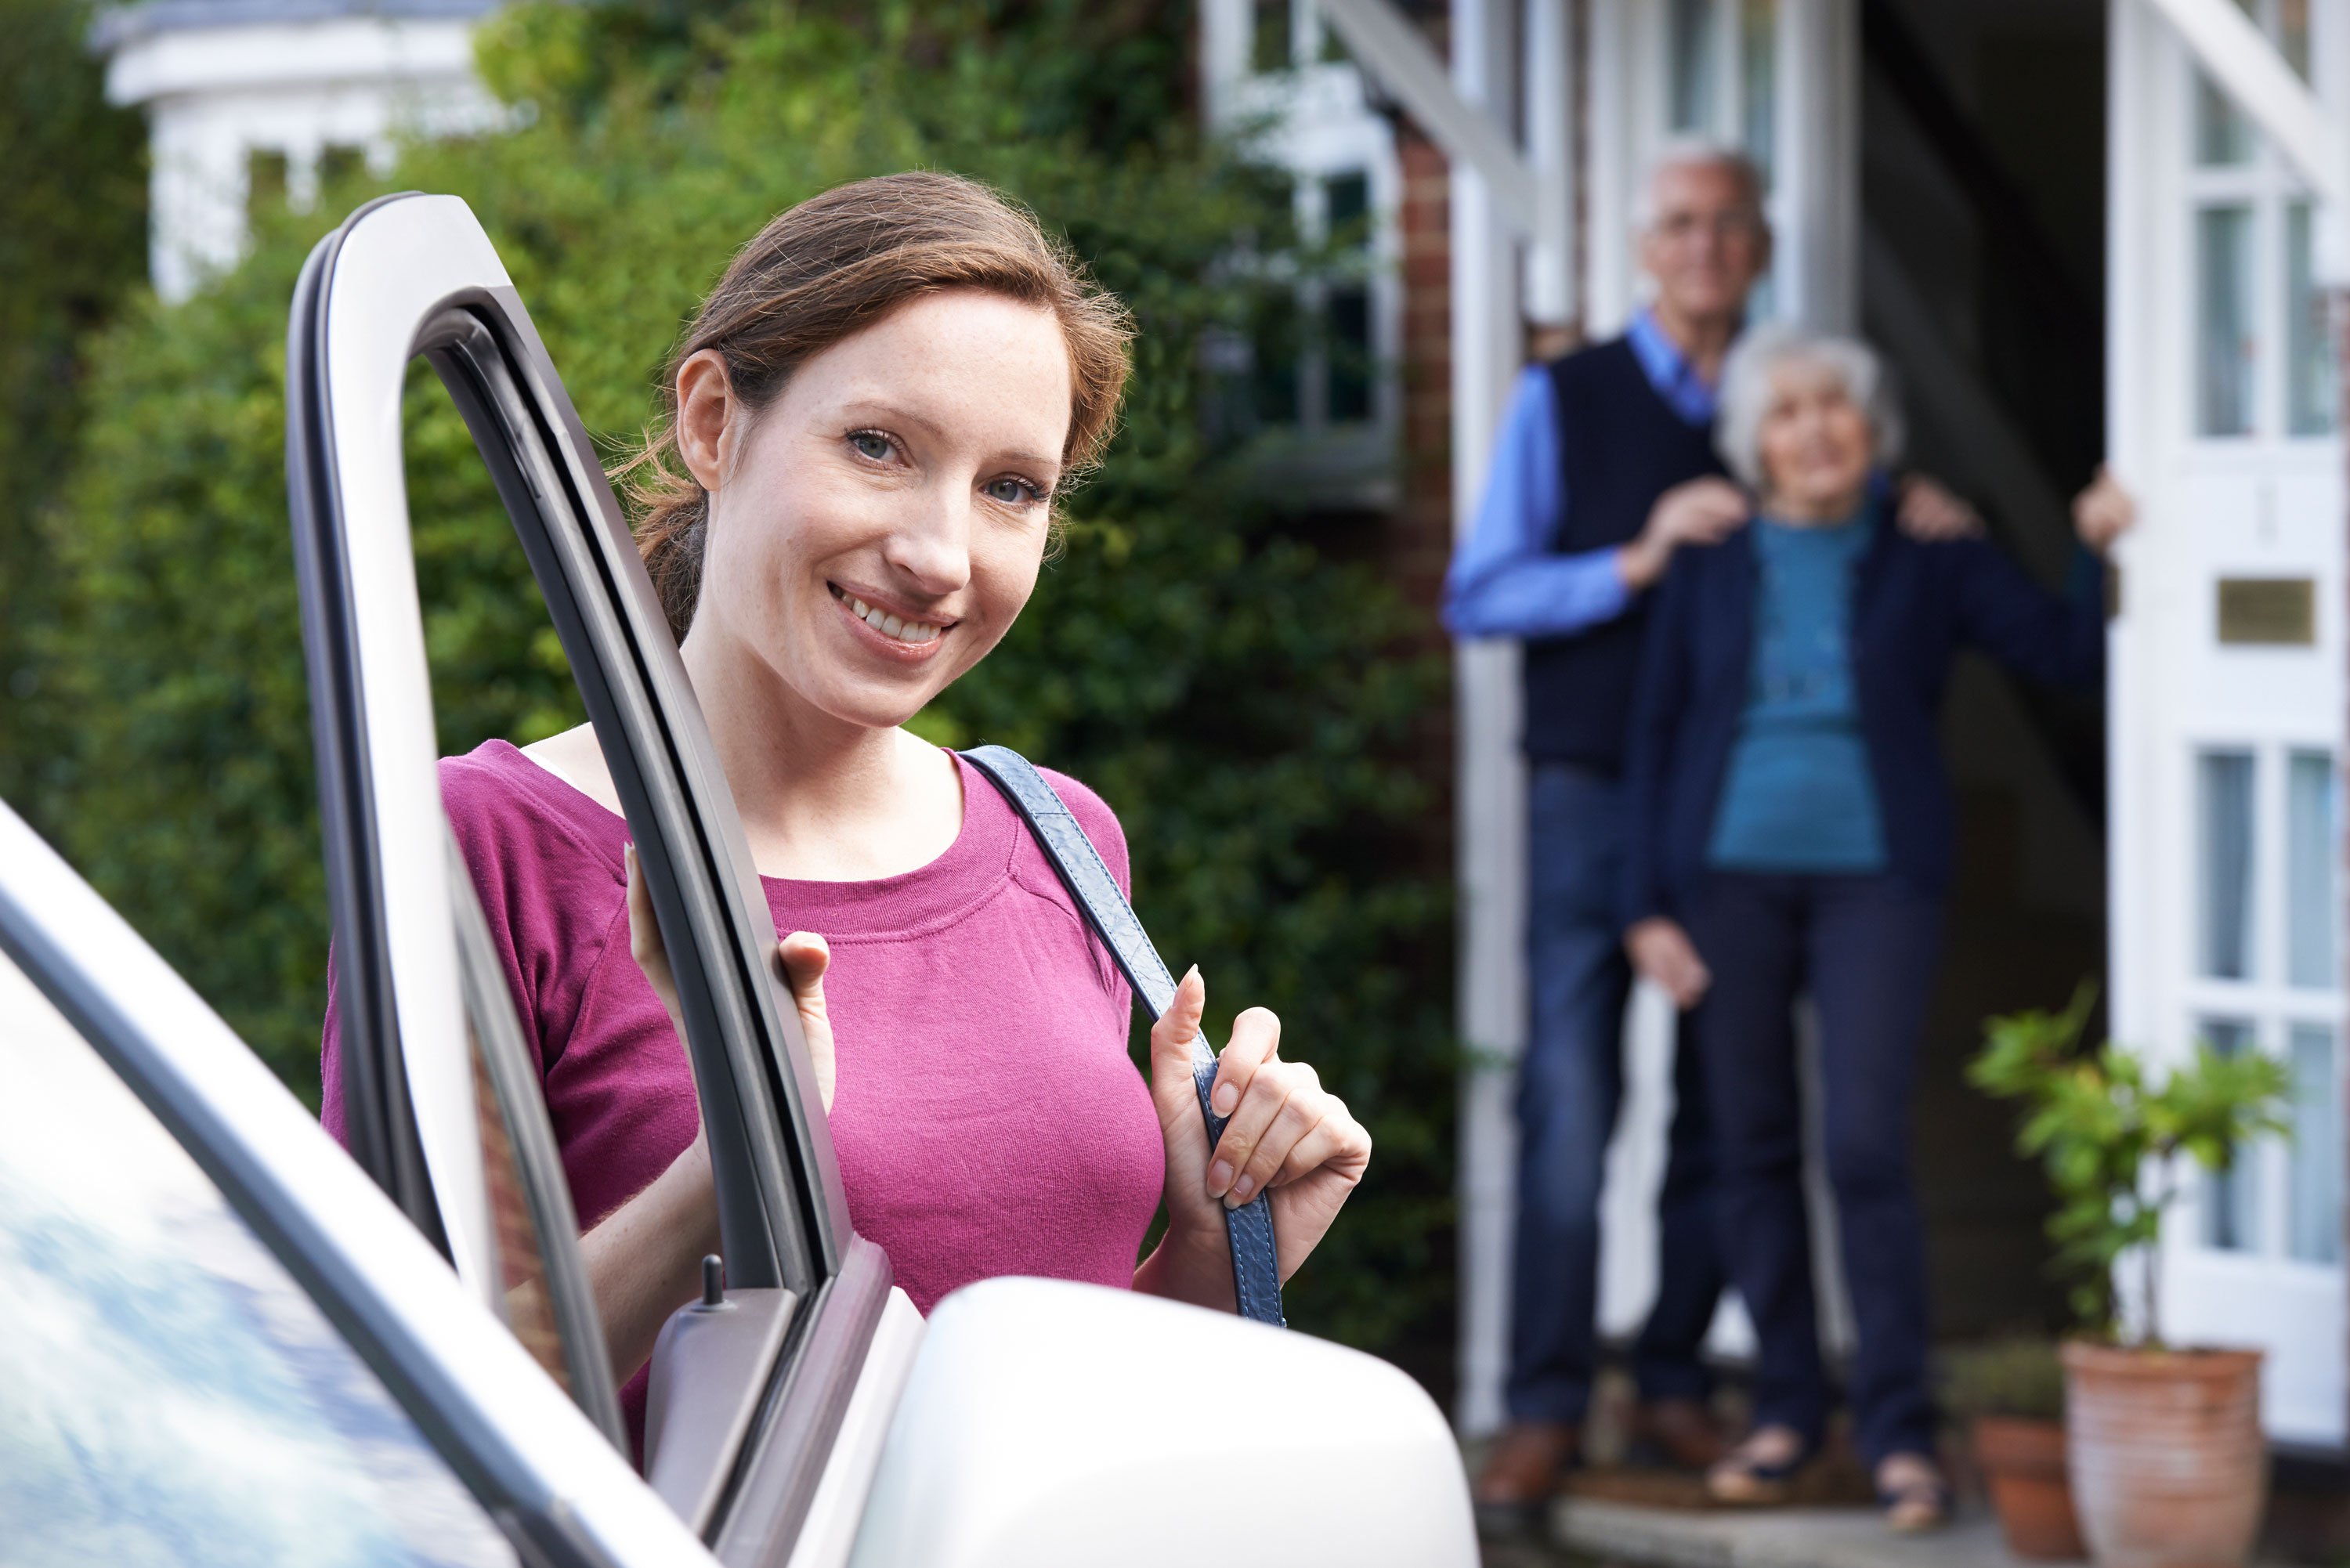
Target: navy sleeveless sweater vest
{"points": [[1621, 446]]}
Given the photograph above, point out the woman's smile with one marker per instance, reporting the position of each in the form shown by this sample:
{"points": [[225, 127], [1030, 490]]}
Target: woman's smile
{"points": [[890, 629]]}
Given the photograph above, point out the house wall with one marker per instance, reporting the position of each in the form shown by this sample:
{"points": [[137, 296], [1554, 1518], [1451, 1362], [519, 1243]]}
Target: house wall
{"points": [[215, 96]]}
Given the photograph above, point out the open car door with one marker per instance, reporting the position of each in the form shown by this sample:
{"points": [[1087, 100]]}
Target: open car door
{"points": [[809, 1414], [435, 1065]]}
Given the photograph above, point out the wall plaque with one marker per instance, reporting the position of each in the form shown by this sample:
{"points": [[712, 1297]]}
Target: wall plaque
{"points": [[2269, 611]]}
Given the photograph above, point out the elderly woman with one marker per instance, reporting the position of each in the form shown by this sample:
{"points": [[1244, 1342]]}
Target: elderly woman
{"points": [[1793, 832]]}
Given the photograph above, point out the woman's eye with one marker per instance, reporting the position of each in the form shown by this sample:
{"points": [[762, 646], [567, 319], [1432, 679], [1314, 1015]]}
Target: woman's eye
{"points": [[869, 443], [1012, 492]]}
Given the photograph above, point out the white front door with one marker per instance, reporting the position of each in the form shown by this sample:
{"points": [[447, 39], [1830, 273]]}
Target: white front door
{"points": [[2227, 687]]}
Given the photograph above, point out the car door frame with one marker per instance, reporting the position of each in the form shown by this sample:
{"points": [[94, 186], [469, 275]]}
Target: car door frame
{"points": [[415, 275]]}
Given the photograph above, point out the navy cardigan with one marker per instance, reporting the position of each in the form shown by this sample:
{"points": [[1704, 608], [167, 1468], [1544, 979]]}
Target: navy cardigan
{"points": [[1914, 605]]}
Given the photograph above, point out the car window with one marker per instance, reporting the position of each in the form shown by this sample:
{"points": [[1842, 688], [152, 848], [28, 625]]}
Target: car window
{"points": [[544, 1297], [168, 1393]]}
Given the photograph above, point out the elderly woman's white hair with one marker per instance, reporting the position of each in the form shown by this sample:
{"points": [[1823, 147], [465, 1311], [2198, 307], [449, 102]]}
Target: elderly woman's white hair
{"points": [[1747, 389]]}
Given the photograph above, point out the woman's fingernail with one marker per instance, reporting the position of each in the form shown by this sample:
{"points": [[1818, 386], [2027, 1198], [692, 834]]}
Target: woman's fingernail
{"points": [[1218, 1174], [1240, 1193], [1225, 1099], [1189, 975]]}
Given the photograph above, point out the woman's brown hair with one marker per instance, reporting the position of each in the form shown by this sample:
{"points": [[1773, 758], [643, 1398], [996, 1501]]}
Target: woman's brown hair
{"points": [[827, 269]]}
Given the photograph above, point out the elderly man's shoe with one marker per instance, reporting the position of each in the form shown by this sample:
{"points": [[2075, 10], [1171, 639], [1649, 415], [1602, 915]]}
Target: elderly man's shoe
{"points": [[1676, 1434], [1522, 1474]]}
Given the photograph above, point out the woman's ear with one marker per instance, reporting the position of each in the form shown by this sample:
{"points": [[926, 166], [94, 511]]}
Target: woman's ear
{"points": [[706, 416]]}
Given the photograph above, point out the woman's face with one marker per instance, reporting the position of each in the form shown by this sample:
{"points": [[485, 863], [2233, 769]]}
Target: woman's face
{"points": [[878, 528], [1815, 442]]}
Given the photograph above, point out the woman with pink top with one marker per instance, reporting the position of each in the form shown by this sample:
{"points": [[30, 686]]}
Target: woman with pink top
{"points": [[847, 507]]}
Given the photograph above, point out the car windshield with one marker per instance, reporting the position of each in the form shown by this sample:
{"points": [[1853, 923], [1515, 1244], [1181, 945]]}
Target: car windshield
{"points": [[172, 1396]]}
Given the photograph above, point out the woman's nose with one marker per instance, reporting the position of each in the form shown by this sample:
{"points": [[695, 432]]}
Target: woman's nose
{"points": [[933, 548]]}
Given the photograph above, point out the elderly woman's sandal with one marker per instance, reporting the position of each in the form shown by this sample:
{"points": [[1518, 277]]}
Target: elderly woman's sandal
{"points": [[1913, 1494], [1761, 1470]]}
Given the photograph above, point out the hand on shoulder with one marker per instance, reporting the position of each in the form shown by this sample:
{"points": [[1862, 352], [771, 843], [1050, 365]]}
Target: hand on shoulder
{"points": [[1697, 512]]}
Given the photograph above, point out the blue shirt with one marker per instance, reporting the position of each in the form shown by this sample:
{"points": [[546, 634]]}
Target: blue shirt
{"points": [[1504, 581], [1798, 795]]}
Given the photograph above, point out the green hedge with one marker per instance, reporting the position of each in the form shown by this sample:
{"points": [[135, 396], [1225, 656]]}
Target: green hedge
{"points": [[1235, 695], [73, 211]]}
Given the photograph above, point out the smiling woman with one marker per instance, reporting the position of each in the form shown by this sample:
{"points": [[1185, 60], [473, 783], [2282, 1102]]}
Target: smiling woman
{"points": [[846, 507]]}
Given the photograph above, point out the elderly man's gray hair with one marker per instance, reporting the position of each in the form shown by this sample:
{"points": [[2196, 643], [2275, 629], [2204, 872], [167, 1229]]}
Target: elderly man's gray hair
{"points": [[1694, 152], [1746, 392]]}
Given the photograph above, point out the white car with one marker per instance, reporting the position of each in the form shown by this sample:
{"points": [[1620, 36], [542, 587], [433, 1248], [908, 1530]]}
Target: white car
{"points": [[224, 1340]]}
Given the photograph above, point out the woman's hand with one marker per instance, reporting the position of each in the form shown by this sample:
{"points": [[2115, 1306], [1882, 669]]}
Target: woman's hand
{"points": [[1661, 951], [1286, 1134], [804, 957], [1931, 514], [2104, 512]]}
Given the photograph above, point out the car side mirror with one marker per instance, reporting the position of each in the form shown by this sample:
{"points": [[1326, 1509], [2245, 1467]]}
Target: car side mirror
{"points": [[1046, 1423]]}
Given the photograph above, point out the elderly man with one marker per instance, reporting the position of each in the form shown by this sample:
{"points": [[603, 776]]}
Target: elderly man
{"points": [[1604, 468]]}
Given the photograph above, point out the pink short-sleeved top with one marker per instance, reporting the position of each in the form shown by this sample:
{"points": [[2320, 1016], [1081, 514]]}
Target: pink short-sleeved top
{"points": [[985, 1114]]}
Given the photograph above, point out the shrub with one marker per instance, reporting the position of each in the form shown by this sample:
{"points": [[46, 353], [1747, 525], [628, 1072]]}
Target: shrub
{"points": [[2112, 1139], [2018, 1377], [72, 243], [1235, 695]]}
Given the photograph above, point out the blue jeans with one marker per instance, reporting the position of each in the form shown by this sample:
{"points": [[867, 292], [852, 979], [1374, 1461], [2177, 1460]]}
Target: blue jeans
{"points": [[1570, 1087], [1867, 948]]}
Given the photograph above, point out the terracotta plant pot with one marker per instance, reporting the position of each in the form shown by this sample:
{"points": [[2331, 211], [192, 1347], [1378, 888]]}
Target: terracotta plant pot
{"points": [[2170, 1469], [2022, 1463]]}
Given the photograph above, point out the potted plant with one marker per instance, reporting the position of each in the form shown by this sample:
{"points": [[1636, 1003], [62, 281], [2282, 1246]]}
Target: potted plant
{"points": [[2168, 1466], [2010, 1394]]}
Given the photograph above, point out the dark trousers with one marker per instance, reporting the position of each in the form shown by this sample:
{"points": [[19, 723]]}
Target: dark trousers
{"points": [[1867, 948], [1569, 1086]]}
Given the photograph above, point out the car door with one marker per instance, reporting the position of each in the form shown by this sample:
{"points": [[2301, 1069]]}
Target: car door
{"points": [[222, 1346], [749, 1397]]}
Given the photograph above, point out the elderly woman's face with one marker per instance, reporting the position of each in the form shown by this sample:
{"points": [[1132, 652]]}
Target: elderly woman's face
{"points": [[1815, 442]]}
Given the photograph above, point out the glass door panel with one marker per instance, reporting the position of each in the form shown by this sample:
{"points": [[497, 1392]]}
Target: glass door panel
{"points": [[2225, 949], [2312, 848], [2225, 343], [2313, 1204]]}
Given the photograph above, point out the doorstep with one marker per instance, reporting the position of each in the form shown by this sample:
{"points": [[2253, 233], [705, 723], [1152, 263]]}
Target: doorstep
{"points": [[1615, 1535], [1630, 1533]]}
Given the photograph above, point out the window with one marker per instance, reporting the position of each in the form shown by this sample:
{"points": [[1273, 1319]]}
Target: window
{"points": [[337, 162], [2313, 1200], [2312, 843], [1758, 66], [2264, 353], [1313, 348], [2231, 1197], [2225, 809], [265, 180], [2313, 396], [1269, 35], [1693, 45], [2223, 339], [172, 1396], [1347, 347]]}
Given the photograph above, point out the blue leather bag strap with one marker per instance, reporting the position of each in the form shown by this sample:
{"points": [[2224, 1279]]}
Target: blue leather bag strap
{"points": [[1257, 1266]]}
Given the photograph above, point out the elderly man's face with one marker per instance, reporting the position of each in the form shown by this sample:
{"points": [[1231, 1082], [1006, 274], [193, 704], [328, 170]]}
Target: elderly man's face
{"points": [[1816, 443], [1706, 242]]}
